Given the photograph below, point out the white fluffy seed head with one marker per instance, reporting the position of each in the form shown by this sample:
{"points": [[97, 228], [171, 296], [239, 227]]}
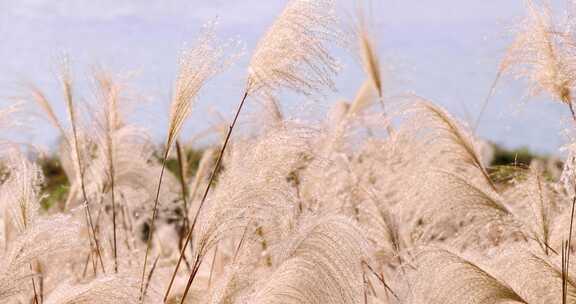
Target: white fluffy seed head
{"points": [[197, 65], [542, 53], [294, 53]]}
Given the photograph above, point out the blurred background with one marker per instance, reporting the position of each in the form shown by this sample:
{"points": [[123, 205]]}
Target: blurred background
{"points": [[445, 50]]}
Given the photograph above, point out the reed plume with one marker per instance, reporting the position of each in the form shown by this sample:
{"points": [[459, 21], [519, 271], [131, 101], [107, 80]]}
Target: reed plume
{"points": [[535, 203], [110, 289], [43, 238], [109, 93], [369, 56], [76, 155], [197, 65], [542, 53], [292, 55], [445, 277], [517, 263], [453, 141], [40, 98], [322, 263]]}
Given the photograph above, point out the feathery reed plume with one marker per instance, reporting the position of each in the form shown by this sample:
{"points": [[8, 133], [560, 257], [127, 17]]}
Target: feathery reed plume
{"points": [[534, 192], [232, 210], [342, 115], [197, 65], [21, 191], [66, 82], [259, 198], [368, 56], [450, 137], [467, 200], [21, 194], [518, 263], [444, 277], [41, 239], [542, 53], [321, 263], [232, 285], [265, 198], [292, 55], [371, 63], [109, 92], [39, 97], [109, 289]]}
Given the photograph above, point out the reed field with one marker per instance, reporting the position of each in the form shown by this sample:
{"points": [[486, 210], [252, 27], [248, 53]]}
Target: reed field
{"points": [[384, 199]]}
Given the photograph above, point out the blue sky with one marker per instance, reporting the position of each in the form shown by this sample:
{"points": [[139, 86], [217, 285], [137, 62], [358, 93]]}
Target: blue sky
{"points": [[444, 50]]}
